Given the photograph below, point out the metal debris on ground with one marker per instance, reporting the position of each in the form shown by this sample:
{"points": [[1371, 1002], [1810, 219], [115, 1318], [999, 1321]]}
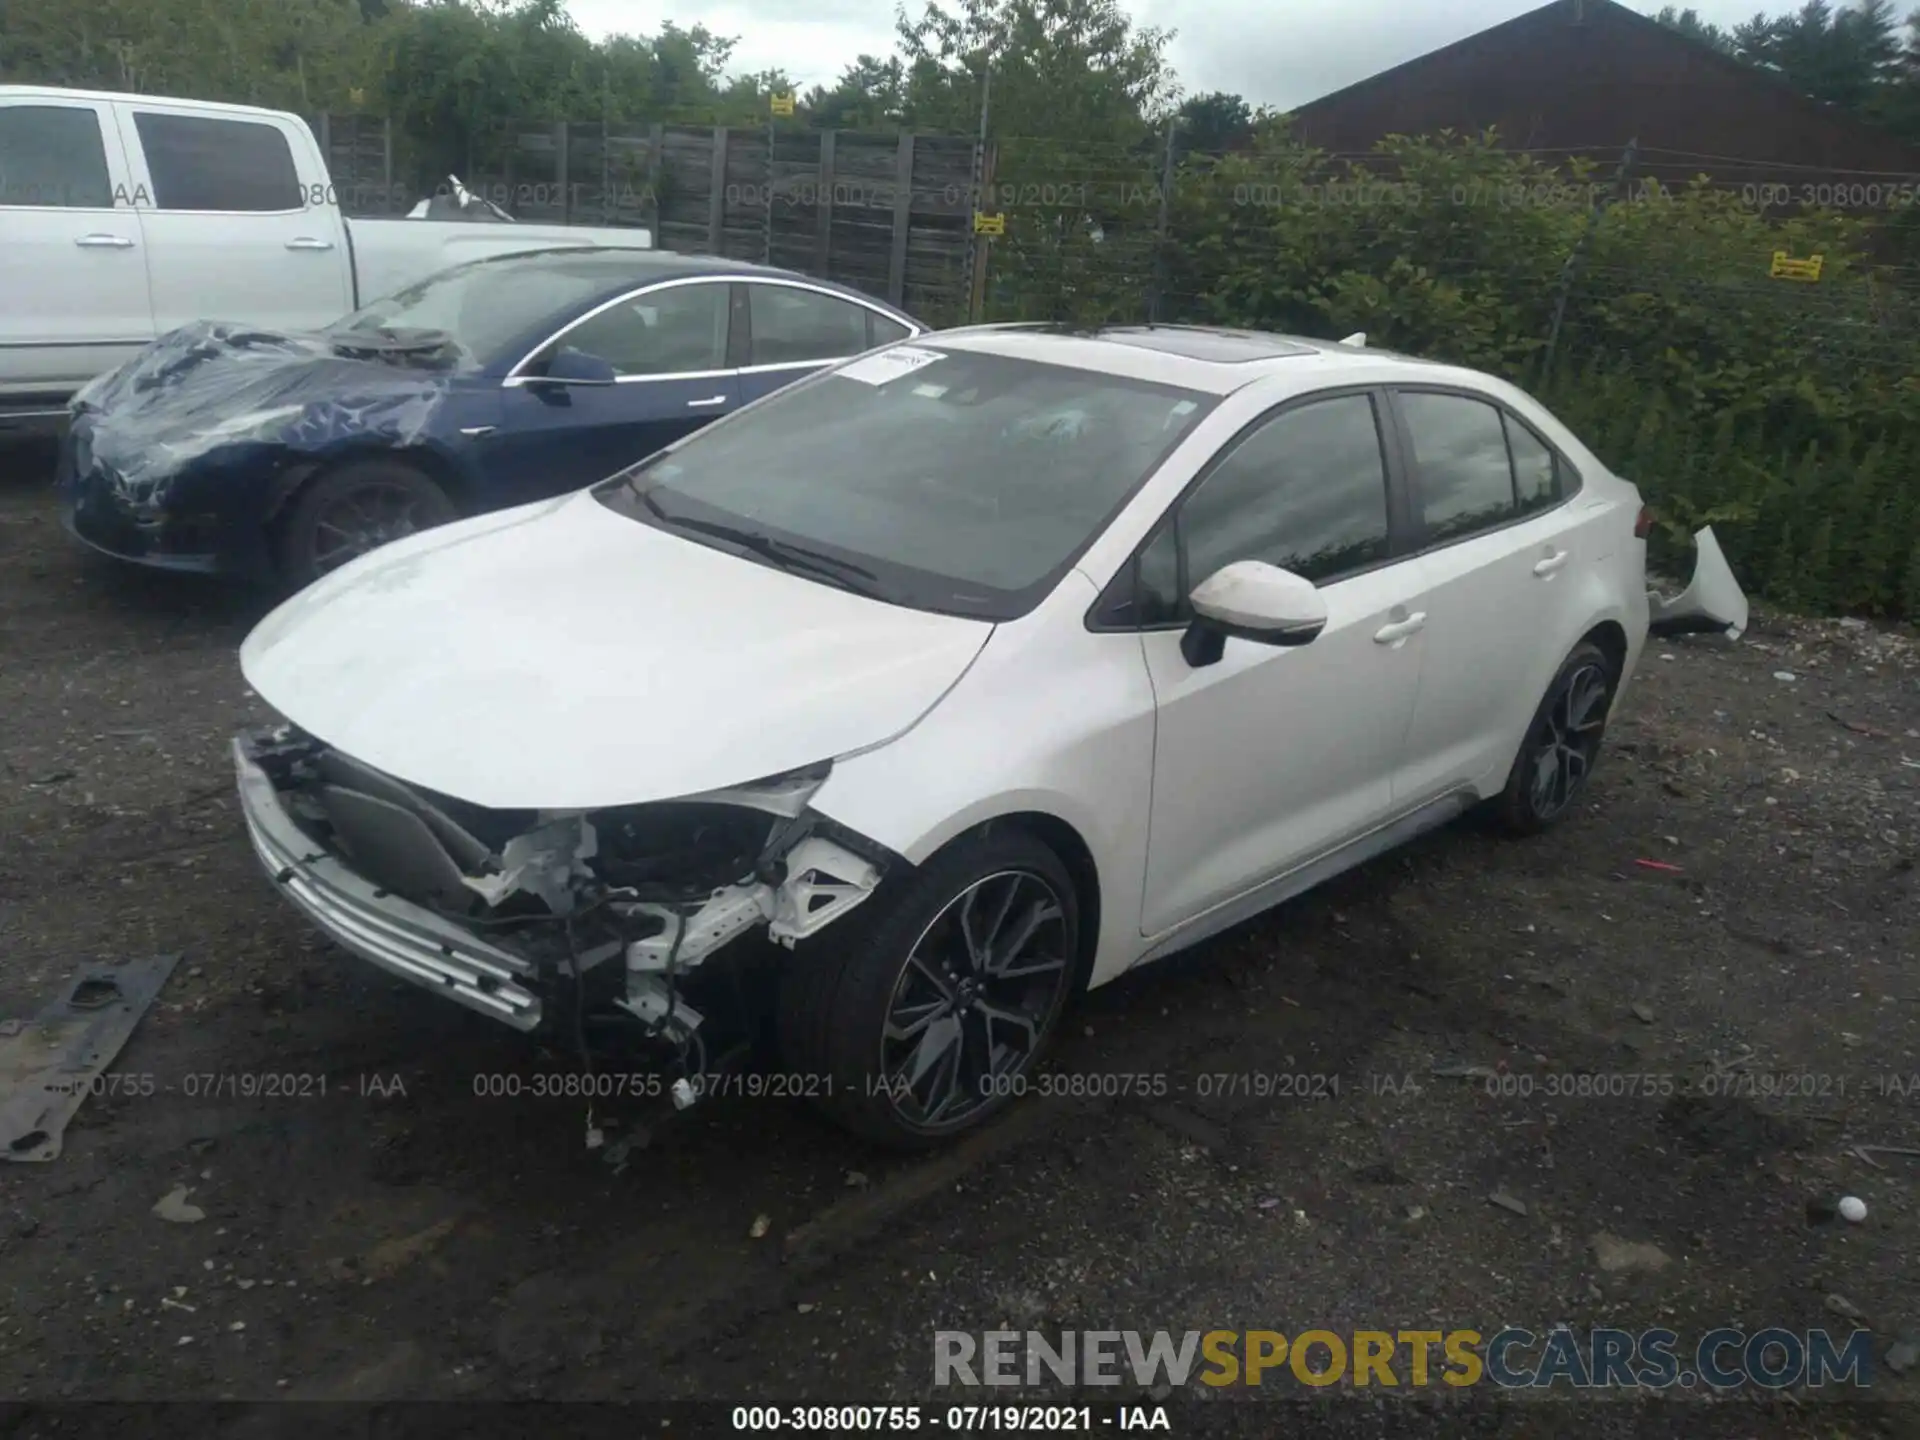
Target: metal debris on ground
{"points": [[1857, 728], [1507, 1202], [1661, 866], [1843, 1307], [1617, 1256], [50, 1065], [173, 1207], [761, 1224], [1867, 1152], [1463, 1072], [621, 1151], [1642, 1012]]}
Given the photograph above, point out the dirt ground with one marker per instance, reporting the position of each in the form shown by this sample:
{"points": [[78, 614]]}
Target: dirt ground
{"points": [[402, 1236]]}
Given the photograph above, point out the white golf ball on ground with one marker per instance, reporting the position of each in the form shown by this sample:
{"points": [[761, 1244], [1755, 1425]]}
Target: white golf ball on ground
{"points": [[1853, 1208]]}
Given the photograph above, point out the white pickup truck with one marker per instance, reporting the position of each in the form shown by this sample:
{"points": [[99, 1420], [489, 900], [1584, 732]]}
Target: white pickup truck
{"points": [[124, 216]]}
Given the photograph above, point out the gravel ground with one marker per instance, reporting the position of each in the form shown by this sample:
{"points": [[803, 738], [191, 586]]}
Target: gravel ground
{"points": [[400, 1236]]}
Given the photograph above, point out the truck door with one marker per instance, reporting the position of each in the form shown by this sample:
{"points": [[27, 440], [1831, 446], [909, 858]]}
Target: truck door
{"points": [[72, 262], [240, 223]]}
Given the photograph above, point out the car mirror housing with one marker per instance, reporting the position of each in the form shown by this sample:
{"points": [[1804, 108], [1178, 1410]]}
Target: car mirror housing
{"points": [[578, 367], [1251, 600]]}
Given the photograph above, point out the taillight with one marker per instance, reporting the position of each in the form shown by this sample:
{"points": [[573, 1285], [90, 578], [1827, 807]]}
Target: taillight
{"points": [[1643, 523]]}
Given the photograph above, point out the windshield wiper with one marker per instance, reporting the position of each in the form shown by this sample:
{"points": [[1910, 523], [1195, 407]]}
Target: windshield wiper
{"points": [[785, 554]]}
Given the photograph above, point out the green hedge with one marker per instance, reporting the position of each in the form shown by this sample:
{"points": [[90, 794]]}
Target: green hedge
{"points": [[1784, 413]]}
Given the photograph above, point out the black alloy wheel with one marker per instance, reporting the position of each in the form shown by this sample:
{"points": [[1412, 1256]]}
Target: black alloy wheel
{"points": [[1563, 743], [354, 510], [920, 1016]]}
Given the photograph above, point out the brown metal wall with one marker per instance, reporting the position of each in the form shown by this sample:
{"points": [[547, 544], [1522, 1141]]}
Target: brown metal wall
{"points": [[1585, 76]]}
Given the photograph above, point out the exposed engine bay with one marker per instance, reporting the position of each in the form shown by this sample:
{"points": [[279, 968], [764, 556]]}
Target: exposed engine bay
{"points": [[508, 911]]}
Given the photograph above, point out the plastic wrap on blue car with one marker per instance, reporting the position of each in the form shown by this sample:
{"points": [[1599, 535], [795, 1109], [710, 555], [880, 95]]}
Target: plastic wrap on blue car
{"points": [[208, 386]]}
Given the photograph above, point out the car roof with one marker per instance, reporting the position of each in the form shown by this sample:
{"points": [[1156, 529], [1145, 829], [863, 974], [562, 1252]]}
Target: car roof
{"points": [[1216, 360], [611, 271], [622, 267], [130, 97]]}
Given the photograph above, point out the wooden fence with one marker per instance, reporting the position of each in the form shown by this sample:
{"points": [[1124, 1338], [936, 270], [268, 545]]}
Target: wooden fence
{"points": [[887, 214]]}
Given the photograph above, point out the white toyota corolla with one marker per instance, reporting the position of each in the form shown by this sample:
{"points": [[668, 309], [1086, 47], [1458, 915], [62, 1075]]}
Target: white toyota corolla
{"points": [[972, 673]]}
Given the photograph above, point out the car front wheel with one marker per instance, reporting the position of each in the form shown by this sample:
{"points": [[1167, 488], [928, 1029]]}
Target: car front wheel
{"points": [[359, 507], [920, 1019]]}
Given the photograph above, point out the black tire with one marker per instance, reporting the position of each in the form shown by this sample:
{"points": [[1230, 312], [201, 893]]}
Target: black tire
{"points": [[379, 500], [1562, 743], [840, 990]]}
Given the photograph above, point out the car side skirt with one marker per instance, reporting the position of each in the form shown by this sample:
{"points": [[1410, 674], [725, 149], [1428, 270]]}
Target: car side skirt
{"points": [[1305, 877]]}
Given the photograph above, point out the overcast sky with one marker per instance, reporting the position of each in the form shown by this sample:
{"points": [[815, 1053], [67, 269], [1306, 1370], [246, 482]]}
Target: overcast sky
{"points": [[1280, 55]]}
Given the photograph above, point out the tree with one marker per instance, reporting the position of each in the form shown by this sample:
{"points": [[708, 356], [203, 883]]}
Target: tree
{"points": [[1214, 123], [869, 95], [1689, 23], [1066, 69], [1845, 57]]}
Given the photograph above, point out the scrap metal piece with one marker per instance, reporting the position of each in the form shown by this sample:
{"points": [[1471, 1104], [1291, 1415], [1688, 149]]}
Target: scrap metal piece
{"points": [[546, 862], [51, 1064], [726, 914], [1712, 602], [825, 881]]}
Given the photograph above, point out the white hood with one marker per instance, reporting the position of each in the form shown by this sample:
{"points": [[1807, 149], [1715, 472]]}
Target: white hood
{"points": [[559, 656]]}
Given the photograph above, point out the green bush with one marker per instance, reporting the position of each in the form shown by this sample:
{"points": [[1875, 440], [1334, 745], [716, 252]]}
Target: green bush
{"points": [[1786, 414]]}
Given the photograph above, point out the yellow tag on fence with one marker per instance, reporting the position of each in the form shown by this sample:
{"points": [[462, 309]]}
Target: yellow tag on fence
{"points": [[1786, 268], [783, 103], [994, 224]]}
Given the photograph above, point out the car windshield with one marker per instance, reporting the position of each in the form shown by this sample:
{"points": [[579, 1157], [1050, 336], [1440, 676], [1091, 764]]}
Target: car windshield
{"points": [[486, 304], [947, 480]]}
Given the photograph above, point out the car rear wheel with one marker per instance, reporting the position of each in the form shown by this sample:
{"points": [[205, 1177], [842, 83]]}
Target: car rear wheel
{"points": [[920, 1019], [359, 507], [1562, 743]]}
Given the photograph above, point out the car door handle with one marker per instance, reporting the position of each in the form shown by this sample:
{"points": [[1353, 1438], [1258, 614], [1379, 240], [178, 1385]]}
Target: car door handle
{"points": [[103, 242], [1400, 629], [703, 404], [308, 242], [1551, 563]]}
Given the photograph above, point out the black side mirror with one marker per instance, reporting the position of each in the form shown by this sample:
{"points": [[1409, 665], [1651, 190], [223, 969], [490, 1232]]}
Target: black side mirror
{"points": [[570, 367]]}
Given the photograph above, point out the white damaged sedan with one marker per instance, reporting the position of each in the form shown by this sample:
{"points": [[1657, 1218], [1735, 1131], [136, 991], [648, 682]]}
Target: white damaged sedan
{"points": [[971, 674]]}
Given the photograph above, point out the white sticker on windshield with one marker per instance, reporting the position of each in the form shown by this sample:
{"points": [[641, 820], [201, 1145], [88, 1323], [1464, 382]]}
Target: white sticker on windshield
{"points": [[889, 364], [1185, 407]]}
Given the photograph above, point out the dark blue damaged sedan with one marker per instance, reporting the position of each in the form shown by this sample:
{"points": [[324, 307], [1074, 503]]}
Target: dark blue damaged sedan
{"points": [[230, 450]]}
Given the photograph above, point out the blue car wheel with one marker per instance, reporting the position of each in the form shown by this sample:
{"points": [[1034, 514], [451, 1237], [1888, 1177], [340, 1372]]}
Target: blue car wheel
{"points": [[345, 513]]}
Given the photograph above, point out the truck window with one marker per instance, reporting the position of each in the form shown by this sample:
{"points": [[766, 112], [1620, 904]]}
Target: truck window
{"points": [[197, 163], [52, 155]]}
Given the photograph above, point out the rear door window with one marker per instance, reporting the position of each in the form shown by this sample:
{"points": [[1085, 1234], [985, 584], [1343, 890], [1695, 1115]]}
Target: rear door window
{"points": [[792, 326], [1538, 483], [1464, 474], [199, 163]]}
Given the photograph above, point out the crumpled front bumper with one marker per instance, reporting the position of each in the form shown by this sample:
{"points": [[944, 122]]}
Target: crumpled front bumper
{"points": [[209, 519], [1713, 602], [400, 937]]}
